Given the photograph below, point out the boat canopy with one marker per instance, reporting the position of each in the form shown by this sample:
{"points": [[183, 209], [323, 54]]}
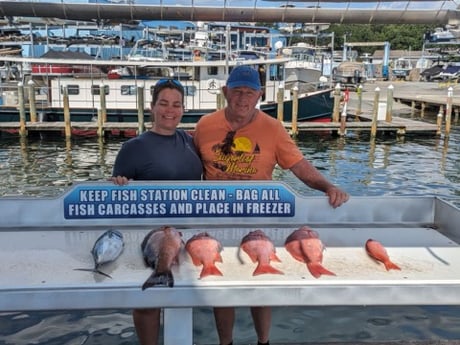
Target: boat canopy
{"points": [[357, 12]]}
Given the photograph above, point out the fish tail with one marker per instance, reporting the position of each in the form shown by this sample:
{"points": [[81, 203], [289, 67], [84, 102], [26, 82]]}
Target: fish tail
{"points": [[316, 270], [266, 269], [159, 279], [94, 270], [389, 265], [210, 270]]}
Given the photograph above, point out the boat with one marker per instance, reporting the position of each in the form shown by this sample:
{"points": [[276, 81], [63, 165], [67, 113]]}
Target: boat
{"points": [[201, 58], [402, 68], [122, 80]]}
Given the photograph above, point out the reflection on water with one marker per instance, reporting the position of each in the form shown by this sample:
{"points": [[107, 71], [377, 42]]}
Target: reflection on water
{"points": [[385, 166]]}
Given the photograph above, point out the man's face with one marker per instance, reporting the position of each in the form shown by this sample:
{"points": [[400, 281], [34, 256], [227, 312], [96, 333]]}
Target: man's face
{"points": [[242, 100]]}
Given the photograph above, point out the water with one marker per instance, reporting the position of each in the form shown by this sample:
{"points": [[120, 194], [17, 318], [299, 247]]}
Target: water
{"points": [[386, 166]]}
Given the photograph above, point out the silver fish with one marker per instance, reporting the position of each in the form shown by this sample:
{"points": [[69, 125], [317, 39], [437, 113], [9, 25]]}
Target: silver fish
{"points": [[107, 248]]}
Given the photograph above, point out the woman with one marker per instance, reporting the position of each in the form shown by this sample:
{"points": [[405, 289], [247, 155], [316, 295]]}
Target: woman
{"points": [[163, 153]]}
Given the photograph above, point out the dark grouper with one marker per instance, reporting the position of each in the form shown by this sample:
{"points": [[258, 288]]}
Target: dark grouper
{"points": [[107, 248], [161, 248]]}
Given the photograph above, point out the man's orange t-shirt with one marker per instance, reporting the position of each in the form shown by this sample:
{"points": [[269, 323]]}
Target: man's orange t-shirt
{"points": [[256, 149]]}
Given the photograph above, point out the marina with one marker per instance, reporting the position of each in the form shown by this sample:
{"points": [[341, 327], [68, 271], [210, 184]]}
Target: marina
{"points": [[56, 199]]}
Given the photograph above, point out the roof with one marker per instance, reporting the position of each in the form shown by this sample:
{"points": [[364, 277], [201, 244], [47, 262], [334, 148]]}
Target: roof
{"points": [[67, 55]]}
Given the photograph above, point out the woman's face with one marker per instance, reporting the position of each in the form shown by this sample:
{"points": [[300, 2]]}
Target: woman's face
{"points": [[167, 111]]}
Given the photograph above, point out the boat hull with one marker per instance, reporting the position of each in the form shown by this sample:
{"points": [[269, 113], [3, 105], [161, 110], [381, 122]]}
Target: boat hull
{"points": [[311, 107]]}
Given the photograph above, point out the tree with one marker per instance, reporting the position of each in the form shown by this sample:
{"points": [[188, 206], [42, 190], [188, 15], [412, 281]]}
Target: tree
{"points": [[400, 36]]}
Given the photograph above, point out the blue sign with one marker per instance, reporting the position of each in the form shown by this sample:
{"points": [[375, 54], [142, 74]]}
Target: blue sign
{"points": [[170, 201]]}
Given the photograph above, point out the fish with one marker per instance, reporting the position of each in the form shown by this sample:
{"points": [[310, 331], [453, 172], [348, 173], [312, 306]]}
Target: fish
{"points": [[378, 252], [260, 249], [304, 245], [161, 248], [107, 248], [205, 250]]}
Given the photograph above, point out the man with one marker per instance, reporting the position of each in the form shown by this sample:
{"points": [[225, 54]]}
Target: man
{"points": [[241, 142]]}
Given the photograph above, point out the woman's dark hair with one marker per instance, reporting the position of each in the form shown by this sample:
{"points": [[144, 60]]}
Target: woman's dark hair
{"points": [[167, 84]]}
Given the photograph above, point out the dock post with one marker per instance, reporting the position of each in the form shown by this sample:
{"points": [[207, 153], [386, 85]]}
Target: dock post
{"points": [[32, 105], [343, 120], [359, 92], [450, 92], [218, 104], [375, 112], [280, 101], [103, 107], [439, 121], [389, 114], [422, 110], [100, 122], [67, 125], [336, 111], [412, 109], [295, 110], [140, 109], [456, 111], [22, 111]]}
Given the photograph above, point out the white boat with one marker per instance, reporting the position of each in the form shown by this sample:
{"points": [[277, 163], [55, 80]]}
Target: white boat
{"points": [[202, 80], [306, 63]]}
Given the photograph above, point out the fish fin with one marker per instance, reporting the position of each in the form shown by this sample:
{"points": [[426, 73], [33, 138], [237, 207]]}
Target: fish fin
{"points": [[389, 265], [238, 256], [218, 257], [195, 261], [94, 270], [316, 269], [159, 279], [210, 270], [266, 269], [274, 257]]}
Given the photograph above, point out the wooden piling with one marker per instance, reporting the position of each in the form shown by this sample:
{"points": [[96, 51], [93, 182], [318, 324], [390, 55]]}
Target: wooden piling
{"points": [[22, 111], [140, 109], [412, 109], [280, 103], [389, 113], [439, 121], [100, 122], [343, 120], [336, 111], [67, 123], [375, 112], [422, 110], [32, 105], [295, 110], [450, 93], [456, 111], [103, 107], [359, 92]]}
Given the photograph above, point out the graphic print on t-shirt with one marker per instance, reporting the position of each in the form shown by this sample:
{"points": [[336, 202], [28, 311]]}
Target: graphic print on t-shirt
{"points": [[239, 162]]}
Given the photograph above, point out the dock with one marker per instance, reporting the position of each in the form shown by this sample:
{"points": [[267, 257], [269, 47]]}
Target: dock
{"points": [[361, 115], [399, 126]]}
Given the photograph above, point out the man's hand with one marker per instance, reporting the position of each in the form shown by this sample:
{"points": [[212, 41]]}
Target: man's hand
{"points": [[336, 196]]}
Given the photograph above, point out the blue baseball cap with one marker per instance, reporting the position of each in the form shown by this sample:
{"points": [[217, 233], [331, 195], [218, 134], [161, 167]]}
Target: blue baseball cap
{"points": [[244, 76]]}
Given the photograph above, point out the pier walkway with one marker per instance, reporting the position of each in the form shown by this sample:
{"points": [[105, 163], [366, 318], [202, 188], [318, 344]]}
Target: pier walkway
{"points": [[399, 126]]}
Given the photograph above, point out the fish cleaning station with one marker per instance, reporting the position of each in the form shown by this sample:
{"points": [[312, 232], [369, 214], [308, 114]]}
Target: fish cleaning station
{"points": [[43, 241]]}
